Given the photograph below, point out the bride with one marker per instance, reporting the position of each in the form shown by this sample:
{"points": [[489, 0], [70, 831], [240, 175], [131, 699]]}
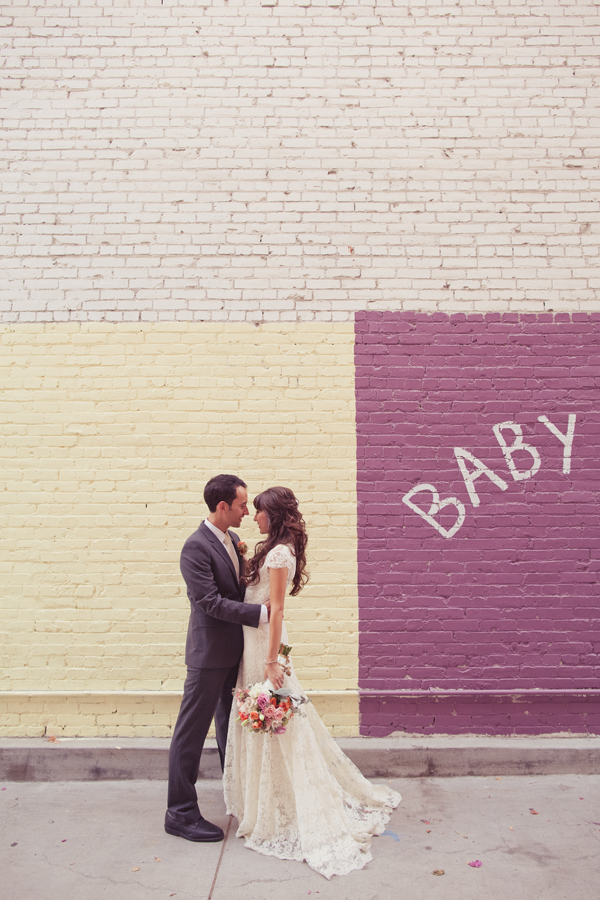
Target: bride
{"points": [[295, 795]]}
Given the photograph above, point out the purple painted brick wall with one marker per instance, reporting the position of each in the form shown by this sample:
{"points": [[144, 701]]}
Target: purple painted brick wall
{"points": [[510, 599]]}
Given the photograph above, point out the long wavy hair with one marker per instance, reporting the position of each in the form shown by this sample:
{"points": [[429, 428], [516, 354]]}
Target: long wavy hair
{"points": [[286, 526]]}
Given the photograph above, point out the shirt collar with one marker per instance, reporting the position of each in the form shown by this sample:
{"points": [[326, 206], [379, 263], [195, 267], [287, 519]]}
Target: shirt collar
{"points": [[216, 531]]}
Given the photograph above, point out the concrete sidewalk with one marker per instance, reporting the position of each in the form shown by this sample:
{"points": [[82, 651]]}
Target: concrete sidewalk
{"points": [[105, 841]]}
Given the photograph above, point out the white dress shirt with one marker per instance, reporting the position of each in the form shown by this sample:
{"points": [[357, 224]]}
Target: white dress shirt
{"points": [[264, 615]]}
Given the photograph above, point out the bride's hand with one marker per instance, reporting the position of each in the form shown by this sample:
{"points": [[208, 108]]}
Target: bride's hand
{"points": [[274, 673]]}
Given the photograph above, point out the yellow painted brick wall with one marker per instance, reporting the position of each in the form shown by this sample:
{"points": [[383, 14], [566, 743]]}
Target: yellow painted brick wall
{"points": [[109, 433]]}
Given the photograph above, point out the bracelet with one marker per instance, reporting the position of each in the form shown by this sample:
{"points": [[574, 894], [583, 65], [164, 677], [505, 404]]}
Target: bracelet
{"points": [[269, 661]]}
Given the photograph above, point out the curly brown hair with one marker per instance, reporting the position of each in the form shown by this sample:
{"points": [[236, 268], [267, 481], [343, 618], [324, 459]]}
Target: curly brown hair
{"points": [[286, 526]]}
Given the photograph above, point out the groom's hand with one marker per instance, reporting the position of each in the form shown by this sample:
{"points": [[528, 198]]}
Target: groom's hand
{"points": [[268, 605]]}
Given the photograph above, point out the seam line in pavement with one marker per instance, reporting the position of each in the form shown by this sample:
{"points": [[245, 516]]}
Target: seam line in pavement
{"points": [[212, 887]]}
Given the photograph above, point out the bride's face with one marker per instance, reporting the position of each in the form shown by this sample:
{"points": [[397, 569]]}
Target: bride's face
{"points": [[261, 520]]}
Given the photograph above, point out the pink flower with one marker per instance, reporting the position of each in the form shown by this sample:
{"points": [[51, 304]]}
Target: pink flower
{"points": [[280, 730], [475, 864]]}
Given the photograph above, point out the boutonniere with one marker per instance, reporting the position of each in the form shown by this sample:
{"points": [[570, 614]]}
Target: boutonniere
{"points": [[242, 548]]}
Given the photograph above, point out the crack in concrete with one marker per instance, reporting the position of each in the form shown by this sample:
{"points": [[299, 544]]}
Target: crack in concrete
{"points": [[541, 858], [114, 881], [259, 880]]}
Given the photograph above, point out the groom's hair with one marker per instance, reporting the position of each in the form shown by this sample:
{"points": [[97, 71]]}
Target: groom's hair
{"points": [[222, 487]]}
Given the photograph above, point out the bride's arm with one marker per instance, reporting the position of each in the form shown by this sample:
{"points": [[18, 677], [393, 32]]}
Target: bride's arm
{"points": [[277, 586]]}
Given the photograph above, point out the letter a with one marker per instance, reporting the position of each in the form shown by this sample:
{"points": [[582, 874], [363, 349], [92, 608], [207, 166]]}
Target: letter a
{"points": [[517, 445], [480, 469]]}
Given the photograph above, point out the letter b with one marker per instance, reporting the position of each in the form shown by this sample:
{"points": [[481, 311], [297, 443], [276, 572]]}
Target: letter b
{"points": [[517, 445]]}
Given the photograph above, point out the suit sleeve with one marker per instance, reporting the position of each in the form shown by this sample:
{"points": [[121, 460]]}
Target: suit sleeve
{"points": [[203, 591]]}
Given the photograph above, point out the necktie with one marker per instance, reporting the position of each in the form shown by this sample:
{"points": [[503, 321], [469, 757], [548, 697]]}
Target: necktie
{"points": [[232, 554]]}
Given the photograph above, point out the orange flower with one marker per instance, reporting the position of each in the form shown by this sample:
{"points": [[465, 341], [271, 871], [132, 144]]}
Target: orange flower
{"points": [[273, 701], [254, 716]]}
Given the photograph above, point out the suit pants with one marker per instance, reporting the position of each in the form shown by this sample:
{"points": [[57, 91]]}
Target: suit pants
{"points": [[207, 693]]}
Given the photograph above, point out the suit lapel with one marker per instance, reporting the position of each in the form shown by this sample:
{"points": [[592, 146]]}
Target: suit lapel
{"points": [[220, 548]]}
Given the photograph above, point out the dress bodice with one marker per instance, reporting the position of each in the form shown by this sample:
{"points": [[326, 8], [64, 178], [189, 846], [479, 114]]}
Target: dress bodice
{"points": [[280, 556]]}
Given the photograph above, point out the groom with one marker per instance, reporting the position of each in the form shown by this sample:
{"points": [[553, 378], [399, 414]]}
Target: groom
{"points": [[211, 566]]}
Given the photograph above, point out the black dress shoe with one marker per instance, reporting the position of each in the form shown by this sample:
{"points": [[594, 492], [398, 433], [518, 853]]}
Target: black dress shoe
{"points": [[202, 830]]}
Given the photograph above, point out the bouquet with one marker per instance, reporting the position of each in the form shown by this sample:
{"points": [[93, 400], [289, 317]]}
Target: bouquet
{"points": [[265, 710]]}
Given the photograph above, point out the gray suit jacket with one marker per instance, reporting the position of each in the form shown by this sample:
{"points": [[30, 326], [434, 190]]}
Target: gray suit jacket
{"points": [[215, 638]]}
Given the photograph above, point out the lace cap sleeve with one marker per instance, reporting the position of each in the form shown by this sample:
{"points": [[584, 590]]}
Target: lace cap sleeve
{"points": [[279, 557]]}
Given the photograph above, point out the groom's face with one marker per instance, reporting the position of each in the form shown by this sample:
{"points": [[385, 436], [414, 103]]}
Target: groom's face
{"points": [[238, 509]]}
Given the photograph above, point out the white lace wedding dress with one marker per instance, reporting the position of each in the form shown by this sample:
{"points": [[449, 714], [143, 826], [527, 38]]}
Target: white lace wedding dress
{"points": [[296, 795]]}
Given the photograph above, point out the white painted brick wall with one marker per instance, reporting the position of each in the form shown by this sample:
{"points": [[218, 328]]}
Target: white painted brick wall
{"points": [[275, 160]]}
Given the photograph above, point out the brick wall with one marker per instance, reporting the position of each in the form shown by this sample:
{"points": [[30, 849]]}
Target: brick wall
{"points": [[283, 160], [109, 434], [478, 489], [173, 174]]}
